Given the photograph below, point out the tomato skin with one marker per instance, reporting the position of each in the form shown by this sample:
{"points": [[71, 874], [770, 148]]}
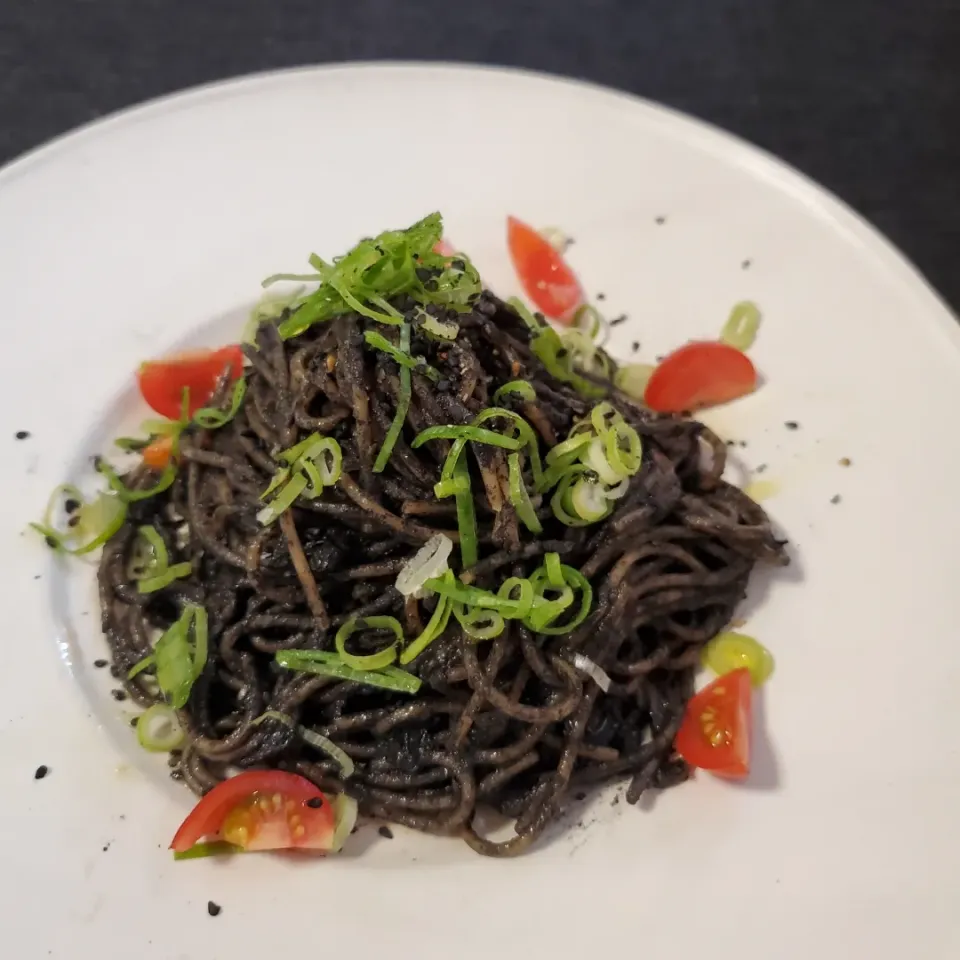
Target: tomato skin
{"points": [[715, 733], [699, 374], [545, 276], [158, 453], [162, 381], [275, 806]]}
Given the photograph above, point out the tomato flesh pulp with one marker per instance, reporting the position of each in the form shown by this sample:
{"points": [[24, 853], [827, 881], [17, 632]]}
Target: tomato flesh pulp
{"points": [[699, 374], [261, 810], [545, 276], [162, 382], [715, 733]]}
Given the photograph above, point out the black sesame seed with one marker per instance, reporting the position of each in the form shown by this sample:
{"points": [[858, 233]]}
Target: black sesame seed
{"points": [[386, 833], [50, 542], [635, 346], [315, 802], [660, 221], [835, 498], [41, 772], [601, 296], [761, 468], [73, 521], [134, 721], [792, 425], [616, 321], [71, 505], [22, 434], [746, 264], [115, 672], [443, 386], [100, 664], [213, 908], [118, 695]]}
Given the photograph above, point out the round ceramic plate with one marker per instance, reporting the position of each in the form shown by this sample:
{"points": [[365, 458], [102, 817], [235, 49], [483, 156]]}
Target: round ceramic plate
{"points": [[153, 229]]}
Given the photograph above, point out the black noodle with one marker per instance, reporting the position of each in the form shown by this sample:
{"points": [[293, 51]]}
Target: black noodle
{"points": [[507, 724]]}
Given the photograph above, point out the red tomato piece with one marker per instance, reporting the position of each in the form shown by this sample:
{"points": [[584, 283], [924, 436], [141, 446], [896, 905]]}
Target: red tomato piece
{"points": [[162, 382], [261, 810], [699, 374], [715, 733], [157, 454], [545, 276]]}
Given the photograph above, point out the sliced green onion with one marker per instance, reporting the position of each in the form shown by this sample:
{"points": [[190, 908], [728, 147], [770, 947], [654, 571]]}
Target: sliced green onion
{"points": [[430, 561], [732, 651], [584, 354], [552, 352], [145, 664], [466, 432], [128, 495], [94, 523], [574, 580], [159, 730], [283, 718], [515, 388], [329, 665], [345, 810], [519, 496], [471, 597], [214, 848], [178, 661], [372, 661], [595, 457], [283, 500], [278, 479], [623, 448], [162, 580], [153, 572], [434, 628], [523, 601], [633, 378], [589, 319], [403, 405], [319, 742], [525, 435], [554, 570], [419, 364], [566, 510], [477, 623], [741, 328], [211, 418]]}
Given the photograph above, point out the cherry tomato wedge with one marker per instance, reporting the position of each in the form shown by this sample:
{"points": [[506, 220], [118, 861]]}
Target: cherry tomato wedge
{"points": [[546, 278], [715, 733], [699, 374], [157, 454], [261, 810], [162, 382]]}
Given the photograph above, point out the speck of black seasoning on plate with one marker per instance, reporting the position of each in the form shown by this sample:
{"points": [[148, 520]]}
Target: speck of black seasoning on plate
{"points": [[635, 346], [386, 833], [746, 264], [213, 908], [118, 695], [845, 462], [70, 505], [792, 425], [601, 296], [106, 847], [22, 434], [41, 772], [761, 468], [660, 221], [835, 498], [100, 664], [616, 321]]}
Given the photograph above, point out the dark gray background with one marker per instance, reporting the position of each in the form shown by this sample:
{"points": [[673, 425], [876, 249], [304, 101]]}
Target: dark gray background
{"points": [[862, 95]]}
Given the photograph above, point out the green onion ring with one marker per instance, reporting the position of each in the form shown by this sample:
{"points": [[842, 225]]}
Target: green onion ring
{"points": [[374, 661]]}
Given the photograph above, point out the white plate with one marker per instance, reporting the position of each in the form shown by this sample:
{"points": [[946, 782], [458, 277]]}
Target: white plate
{"points": [[155, 226]]}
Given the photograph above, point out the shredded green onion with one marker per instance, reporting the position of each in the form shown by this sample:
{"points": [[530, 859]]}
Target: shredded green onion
{"points": [[403, 405], [159, 730], [284, 499], [330, 665], [90, 526], [374, 661], [419, 364], [465, 432], [379, 269], [519, 496], [515, 388], [441, 330], [212, 418], [314, 463], [478, 623], [543, 579], [151, 568], [741, 328], [466, 514], [434, 628]]}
